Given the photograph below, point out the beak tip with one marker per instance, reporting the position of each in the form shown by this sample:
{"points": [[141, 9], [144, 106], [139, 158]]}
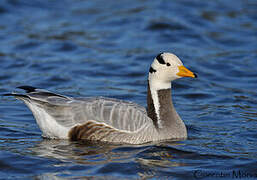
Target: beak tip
{"points": [[195, 75]]}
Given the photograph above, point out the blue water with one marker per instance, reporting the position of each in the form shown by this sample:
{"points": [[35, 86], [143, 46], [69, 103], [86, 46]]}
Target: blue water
{"points": [[92, 48]]}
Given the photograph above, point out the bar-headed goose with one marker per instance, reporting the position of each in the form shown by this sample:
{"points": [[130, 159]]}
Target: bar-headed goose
{"points": [[111, 120]]}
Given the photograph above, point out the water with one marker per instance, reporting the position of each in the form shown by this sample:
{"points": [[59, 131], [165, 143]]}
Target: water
{"points": [[91, 48]]}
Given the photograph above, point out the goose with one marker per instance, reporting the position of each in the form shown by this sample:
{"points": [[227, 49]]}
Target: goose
{"points": [[112, 120]]}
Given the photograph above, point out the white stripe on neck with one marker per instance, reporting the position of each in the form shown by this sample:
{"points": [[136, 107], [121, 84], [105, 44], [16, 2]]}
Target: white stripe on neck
{"points": [[155, 86]]}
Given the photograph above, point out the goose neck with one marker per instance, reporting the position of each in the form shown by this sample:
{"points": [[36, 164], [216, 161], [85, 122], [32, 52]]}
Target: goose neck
{"points": [[159, 105]]}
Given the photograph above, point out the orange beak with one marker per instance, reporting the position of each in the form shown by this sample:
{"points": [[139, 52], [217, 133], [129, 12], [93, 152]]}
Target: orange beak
{"points": [[184, 72]]}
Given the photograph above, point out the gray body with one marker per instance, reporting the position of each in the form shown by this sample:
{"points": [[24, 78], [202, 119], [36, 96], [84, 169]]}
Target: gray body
{"points": [[112, 120], [99, 118]]}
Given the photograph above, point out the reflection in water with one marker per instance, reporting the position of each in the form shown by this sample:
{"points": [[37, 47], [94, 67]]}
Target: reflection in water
{"points": [[145, 157], [147, 160], [87, 153]]}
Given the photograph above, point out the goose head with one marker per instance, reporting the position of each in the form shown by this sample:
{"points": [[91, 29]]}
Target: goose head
{"points": [[165, 68]]}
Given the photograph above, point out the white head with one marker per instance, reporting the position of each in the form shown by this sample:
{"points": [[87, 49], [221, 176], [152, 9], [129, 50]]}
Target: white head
{"points": [[165, 68]]}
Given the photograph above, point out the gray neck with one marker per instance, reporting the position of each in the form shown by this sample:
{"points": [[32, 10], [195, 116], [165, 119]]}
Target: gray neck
{"points": [[166, 116]]}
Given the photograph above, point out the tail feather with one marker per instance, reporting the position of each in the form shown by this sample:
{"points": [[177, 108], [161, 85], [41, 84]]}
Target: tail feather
{"points": [[8, 94], [34, 92], [16, 95], [28, 89]]}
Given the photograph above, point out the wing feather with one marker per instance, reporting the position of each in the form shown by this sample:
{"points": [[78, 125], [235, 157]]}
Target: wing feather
{"points": [[92, 130], [69, 112]]}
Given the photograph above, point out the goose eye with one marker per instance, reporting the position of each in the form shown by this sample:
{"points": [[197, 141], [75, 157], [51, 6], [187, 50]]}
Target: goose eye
{"points": [[168, 64]]}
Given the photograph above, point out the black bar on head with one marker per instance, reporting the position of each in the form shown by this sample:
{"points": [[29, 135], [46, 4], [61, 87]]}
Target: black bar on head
{"points": [[152, 70], [160, 59]]}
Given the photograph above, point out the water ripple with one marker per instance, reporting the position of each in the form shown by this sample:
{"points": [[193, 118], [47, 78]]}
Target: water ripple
{"points": [[91, 48]]}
